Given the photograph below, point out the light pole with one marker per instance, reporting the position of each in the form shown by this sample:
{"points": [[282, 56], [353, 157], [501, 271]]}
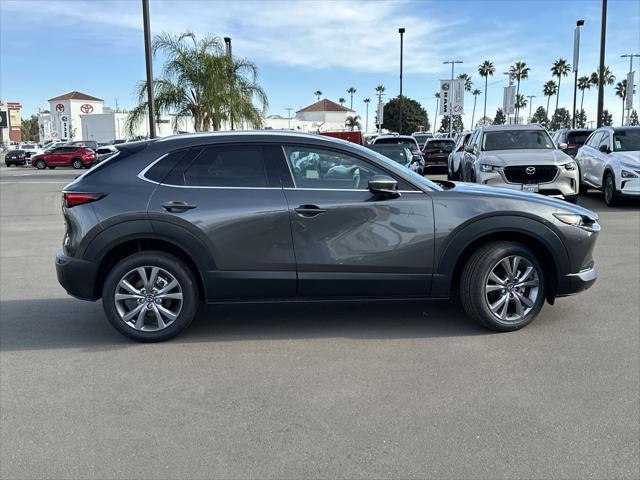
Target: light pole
{"points": [[401, 32], [148, 60], [576, 58], [453, 63], [603, 38], [629, 88], [288, 109], [227, 43], [530, 97]]}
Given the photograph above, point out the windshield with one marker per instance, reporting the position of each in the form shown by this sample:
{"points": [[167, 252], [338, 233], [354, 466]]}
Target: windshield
{"points": [[422, 138], [409, 142], [578, 138], [440, 145], [517, 140], [626, 140]]}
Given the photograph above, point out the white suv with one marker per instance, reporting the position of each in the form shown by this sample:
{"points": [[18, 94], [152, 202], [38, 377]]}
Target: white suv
{"points": [[520, 157], [610, 161]]}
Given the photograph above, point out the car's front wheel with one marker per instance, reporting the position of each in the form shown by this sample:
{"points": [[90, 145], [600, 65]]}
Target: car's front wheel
{"points": [[41, 164], [610, 194], [150, 296], [503, 286]]}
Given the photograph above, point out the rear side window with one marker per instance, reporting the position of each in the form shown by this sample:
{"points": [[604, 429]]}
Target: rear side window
{"points": [[228, 166], [161, 169]]}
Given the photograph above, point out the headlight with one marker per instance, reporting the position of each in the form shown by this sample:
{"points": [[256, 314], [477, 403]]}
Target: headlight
{"points": [[489, 168], [628, 174], [581, 221], [570, 166]]}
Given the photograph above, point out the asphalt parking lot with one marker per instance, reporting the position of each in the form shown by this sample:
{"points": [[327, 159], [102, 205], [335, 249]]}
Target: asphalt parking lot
{"points": [[335, 391]]}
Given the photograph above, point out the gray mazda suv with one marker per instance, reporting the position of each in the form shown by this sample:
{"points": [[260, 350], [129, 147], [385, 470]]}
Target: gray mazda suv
{"points": [[263, 216]]}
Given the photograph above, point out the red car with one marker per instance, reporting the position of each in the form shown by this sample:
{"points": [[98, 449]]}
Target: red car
{"points": [[353, 137], [65, 156], [436, 151]]}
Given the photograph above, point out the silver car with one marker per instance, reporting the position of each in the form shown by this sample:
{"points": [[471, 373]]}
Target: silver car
{"points": [[520, 157]]}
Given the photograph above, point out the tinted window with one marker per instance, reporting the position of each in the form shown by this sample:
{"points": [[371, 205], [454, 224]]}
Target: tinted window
{"points": [[228, 166], [594, 140], [445, 145], [409, 142], [161, 169], [604, 140], [400, 154], [517, 139], [577, 138], [626, 140], [314, 167]]}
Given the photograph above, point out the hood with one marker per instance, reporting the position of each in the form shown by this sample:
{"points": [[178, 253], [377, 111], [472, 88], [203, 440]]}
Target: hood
{"points": [[560, 205], [630, 158], [525, 157]]}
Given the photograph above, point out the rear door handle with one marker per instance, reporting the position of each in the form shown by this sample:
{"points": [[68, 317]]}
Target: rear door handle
{"points": [[177, 206], [309, 210]]}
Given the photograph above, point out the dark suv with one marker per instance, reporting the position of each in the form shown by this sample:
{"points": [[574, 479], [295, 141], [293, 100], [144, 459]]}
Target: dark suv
{"points": [[256, 216]]}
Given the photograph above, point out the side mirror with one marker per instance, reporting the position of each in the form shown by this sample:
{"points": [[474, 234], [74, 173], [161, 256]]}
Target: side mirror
{"points": [[469, 149], [383, 185], [604, 149], [563, 146]]}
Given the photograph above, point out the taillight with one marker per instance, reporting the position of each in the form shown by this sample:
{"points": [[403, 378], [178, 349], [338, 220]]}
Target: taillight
{"points": [[71, 199]]}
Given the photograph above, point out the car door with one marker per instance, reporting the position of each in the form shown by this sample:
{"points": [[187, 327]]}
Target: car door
{"points": [[469, 158], [348, 241], [228, 197], [600, 158]]}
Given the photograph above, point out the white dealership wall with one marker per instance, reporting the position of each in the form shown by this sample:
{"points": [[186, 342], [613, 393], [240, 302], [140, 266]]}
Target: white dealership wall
{"points": [[65, 117], [111, 125]]}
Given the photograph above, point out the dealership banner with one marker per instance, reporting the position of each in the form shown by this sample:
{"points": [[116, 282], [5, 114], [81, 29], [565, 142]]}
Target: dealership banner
{"points": [[509, 100], [451, 97], [380, 113], [64, 127], [629, 98]]}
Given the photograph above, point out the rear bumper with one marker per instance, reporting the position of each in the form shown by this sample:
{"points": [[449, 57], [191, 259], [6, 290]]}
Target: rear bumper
{"points": [[577, 282], [77, 277]]}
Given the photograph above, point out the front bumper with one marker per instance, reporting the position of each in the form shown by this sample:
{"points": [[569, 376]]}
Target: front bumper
{"points": [[629, 186], [577, 282], [77, 277], [564, 185]]}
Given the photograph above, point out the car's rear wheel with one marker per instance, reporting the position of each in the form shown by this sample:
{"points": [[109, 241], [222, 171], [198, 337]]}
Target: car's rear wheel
{"points": [[8, 164], [150, 296], [41, 164], [611, 197], [52, 168], [76, 163], [503, 286]]}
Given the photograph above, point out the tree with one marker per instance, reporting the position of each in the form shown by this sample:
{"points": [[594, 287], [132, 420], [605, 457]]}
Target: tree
{"points": [[621, 91], [200, 81], [366, 122], [519, 71], [352, 122], [468, 84], [609, 77], [581, 118], [550, 89], [484, 121], [560, 68], [486, 69], [351, 91], [540, 116], [457, 127], [29, 129], [521, 102], [317, 93], [607, 119], [499, 119], [380, 92], [633, 118], [560, 119], [341, 101], [584, 83], [475, 94], [413, 115]]}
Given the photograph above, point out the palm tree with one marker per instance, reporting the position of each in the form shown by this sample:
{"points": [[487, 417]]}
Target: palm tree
{"points": [[366, 122], [380, 92], [352, 122], [468, 84], [560, 68], [201, 82], [351, 91], [521, 101], [518, 71], [486, 69], [621, 91], [584, 83], [609, 77], [341, 101], [317, 93], [435, 118], [475, 94], [550, 89]]}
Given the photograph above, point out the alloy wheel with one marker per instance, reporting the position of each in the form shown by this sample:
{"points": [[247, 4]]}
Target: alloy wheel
{"points": [[148, 298], [608, 188], [511, 288]]}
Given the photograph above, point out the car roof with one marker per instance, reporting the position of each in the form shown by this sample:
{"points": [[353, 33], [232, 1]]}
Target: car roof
{"points": [[447, 139], [530, 126]]}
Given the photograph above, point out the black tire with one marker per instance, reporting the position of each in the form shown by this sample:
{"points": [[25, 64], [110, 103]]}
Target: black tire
{"points": [[611, 197], [52, 168], [475, 275], [175, 267], [41, 164], [77, 163], [9, 164]]}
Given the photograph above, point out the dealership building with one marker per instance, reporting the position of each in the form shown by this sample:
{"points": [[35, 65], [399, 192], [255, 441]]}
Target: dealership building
{"points": [[10, 122]]}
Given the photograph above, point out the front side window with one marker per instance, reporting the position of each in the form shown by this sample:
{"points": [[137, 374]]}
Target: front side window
{"points": [[594, 140], [228, 166], [604, 140], [314, 167], [517, 139], [626, 140]]}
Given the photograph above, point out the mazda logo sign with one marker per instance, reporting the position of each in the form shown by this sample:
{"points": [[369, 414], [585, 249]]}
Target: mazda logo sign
{"points": [[530, 170]]}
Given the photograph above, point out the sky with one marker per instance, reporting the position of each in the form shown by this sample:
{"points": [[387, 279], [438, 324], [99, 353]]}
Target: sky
{"points": [[50, 47]]}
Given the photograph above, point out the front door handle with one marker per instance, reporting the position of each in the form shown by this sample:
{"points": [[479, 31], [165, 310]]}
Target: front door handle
{"points": [[177, 206], [309, 211]]}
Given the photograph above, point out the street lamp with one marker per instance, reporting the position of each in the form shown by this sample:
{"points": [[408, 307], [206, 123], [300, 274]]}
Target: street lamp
{"points": [[629, 87], [227, 43], [603, 38], [576, 57], [401, 32], [148, 60], [530, 97], [453, 63]]}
